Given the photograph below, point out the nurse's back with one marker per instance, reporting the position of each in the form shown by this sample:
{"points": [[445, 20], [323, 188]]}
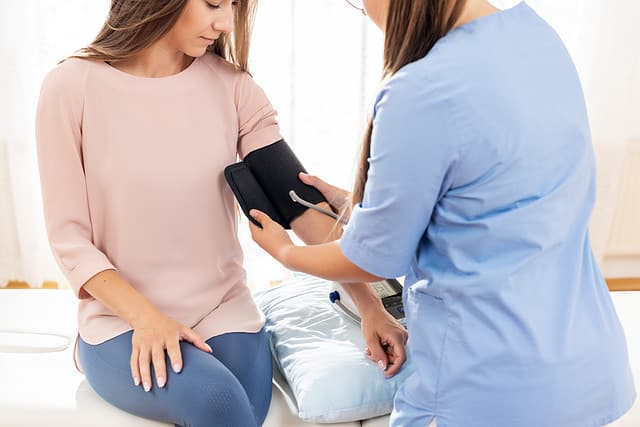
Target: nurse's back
{"points": [[514, 312]]}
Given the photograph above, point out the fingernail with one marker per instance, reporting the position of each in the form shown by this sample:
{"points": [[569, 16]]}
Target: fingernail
{"points": [[210, 349], [136, 381], [161, 382], [177, 368], [382, 365], [147, 386]]}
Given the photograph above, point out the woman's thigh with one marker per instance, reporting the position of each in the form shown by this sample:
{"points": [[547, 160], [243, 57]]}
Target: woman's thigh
{"points": [[204, 393], [248, 357]]}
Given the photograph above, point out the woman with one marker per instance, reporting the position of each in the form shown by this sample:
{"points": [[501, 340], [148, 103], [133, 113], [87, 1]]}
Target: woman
{"points": [[477, 183], [133, 135]]}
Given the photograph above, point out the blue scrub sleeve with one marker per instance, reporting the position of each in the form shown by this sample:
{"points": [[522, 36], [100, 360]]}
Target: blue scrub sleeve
{"points": [[413, 153]]}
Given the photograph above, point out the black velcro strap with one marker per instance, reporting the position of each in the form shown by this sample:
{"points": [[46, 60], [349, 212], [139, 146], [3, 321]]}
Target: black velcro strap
{"points": [[274, 170], [249, 193]]}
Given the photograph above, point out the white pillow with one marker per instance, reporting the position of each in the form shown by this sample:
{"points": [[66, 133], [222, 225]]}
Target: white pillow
{"points": [[320, 353]]}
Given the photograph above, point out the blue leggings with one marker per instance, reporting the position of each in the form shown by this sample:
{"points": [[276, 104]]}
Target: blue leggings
{"points": [[230, 387]]}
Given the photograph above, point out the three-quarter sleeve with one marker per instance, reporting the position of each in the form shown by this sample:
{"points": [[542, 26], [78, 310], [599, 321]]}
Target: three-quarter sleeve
{"points": [[257, 119], [62, 175]]}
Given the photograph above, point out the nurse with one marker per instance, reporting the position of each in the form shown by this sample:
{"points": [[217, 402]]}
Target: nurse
{"points": [[477, 182]]}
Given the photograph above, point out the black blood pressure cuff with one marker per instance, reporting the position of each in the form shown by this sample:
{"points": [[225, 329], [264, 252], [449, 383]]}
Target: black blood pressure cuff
{"points": [[265, 178]]}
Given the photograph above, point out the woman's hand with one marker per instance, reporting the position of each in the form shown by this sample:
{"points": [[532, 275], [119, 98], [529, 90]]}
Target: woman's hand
{"points": [[271, 237], [337, 197], [386, 340], [154, 333]]}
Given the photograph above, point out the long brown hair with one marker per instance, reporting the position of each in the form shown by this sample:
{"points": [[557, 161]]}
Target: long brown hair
{"points": [[413, 27], [134, 25]]}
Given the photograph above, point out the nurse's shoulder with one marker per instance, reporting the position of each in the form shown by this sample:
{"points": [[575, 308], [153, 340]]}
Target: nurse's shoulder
{"points": [[433, 81]]}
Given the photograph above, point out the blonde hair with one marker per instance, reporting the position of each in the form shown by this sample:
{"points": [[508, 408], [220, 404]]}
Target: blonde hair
{"points": [[134, 25]]}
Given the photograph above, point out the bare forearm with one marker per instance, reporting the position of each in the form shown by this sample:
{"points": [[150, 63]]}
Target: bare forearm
{"points": [[326, 261], [111, 289], [364, 297], [314, 228]]}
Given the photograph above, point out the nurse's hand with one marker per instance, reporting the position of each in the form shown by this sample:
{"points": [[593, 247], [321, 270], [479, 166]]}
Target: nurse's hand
{"points": [[386, 340], [271, 237], [338, 198]]}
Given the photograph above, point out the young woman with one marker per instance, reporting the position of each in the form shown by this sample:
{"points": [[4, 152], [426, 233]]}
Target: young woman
{"points": [[133, 135], [477, 183]]}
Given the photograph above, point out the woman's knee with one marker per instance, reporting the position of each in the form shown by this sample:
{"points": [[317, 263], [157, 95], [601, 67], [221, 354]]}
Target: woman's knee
{"points": [[248, 357], [220, 402], [205, 390]]}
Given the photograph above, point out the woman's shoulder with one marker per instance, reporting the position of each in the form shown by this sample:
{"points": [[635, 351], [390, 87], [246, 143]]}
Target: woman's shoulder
{"points": [[221, 66], [240, 82], [67, 75], [72, 67]]}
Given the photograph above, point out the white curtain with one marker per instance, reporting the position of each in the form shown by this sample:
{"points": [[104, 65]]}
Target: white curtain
{"points": [[34, 36], [319, 62]]}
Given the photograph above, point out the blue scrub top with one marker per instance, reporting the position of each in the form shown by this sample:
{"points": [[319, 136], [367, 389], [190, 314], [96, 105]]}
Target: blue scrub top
{"points": [[480, 188]]}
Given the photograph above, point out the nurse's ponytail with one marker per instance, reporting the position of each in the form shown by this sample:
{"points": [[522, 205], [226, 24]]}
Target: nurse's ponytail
{"points": [[413, 27]]}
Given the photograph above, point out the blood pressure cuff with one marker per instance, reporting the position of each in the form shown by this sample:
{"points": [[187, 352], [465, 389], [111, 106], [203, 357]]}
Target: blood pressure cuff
{"points": [[263, 181]]}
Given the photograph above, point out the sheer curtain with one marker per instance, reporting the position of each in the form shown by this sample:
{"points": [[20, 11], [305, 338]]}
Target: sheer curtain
{"points": [[34, 36], [319, 62]]}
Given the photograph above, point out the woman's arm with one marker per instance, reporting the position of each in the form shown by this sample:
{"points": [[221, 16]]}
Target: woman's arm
{"points": [[69, 228], [153, 331], [62, 175], [119, 296]]}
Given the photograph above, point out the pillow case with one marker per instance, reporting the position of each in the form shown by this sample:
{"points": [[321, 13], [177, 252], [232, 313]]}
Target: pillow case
{"points": [[320, 353]]}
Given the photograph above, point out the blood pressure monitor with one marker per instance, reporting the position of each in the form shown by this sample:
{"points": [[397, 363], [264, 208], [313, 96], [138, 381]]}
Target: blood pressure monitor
{"points": [[389, 291]]}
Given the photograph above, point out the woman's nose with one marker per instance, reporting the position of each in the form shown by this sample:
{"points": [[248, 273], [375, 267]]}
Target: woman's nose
{"points": [[225, 22]]}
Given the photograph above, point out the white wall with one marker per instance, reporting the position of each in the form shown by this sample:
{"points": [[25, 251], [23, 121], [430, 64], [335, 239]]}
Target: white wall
{"points": [[635, 104]]}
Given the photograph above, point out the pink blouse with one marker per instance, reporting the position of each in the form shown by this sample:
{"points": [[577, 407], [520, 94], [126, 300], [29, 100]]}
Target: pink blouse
{"points": [[132, 179]]}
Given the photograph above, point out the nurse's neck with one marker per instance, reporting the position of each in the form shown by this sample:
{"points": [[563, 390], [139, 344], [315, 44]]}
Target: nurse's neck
{"points": [[474, 9]]}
